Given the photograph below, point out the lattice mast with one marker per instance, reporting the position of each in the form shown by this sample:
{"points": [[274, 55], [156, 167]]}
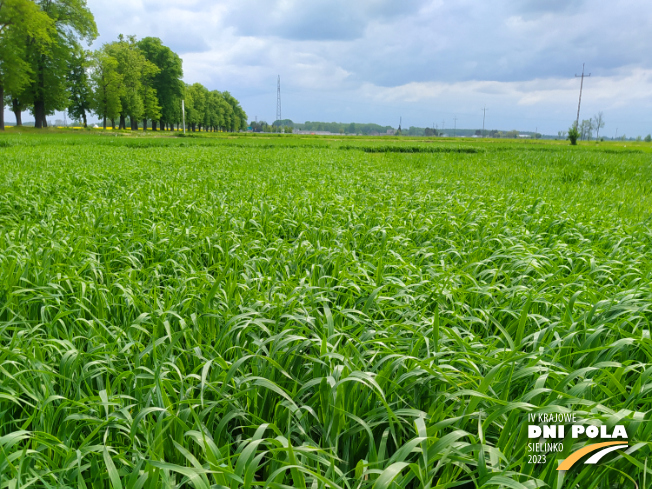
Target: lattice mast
{"points": [[278, 99]]}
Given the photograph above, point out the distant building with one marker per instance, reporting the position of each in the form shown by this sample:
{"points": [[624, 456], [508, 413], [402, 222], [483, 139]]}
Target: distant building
{"points": [[390, 132]]}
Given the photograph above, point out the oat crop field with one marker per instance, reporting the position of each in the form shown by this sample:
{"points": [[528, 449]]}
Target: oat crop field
{"points": [[252, 312]]}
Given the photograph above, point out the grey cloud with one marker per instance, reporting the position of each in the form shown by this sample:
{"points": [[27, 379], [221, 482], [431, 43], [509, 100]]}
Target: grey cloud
{"points": [[315, 20], [488, 42], [182, 28]]}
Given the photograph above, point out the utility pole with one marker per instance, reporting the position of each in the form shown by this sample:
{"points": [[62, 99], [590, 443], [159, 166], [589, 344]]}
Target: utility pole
{"points": [[183, 113], [582, 76], [443, 125], [454, 126], [484, 114], [278, 99]]}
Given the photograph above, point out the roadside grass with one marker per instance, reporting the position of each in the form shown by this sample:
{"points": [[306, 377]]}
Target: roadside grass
{"points": [[249, 312]]}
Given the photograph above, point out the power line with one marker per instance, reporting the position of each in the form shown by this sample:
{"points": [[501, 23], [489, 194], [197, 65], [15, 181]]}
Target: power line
{"points": [[278, 99], [577, 121]]}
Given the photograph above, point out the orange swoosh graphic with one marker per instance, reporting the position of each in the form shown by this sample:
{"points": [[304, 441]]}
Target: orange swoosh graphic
{"points": [[575, 456]]}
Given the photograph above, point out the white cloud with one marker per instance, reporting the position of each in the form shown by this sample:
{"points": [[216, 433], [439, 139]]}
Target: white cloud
{"points": [[629, 88]]}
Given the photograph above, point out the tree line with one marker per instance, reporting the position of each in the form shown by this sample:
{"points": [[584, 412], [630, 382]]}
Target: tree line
{"points": [[287, 125], [587, 126], [44, 68]]}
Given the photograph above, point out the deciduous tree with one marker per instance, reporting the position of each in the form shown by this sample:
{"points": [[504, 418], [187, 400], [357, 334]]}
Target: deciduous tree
{"points": [[135, 73], [586, 128], [239, 118], [107, 86], [73, 22], [167, 81], [79, 91], [598, 123], [19, 20]]}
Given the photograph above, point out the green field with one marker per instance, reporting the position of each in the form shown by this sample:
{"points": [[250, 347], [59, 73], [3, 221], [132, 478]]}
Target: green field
{"points": [[238, 311]]}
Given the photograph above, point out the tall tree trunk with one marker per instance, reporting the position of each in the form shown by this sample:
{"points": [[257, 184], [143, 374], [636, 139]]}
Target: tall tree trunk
{"points": [[39, 103], [17, 112], [144, 125], [153, 125], [113, 124], [84, 118], [123, 122], [2, 112], [45, 121], [104, 123], [39, 113]]}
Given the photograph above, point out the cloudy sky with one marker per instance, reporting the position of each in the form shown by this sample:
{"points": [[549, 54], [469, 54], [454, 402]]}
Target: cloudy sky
{"points": [[427, 61]]}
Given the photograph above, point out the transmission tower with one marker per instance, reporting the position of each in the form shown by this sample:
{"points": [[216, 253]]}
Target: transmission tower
{"points": [[582, 76], [278, 99]]}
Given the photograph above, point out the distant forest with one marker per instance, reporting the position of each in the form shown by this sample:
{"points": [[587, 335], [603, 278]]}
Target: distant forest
{"points": [[370, 129]]}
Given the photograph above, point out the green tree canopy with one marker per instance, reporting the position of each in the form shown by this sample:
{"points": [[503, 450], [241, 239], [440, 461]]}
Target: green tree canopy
{"points": [[136, 73], [73, 22], [107, 86], [19, 20], [79, 91], [167, 81], [239, 118]]}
